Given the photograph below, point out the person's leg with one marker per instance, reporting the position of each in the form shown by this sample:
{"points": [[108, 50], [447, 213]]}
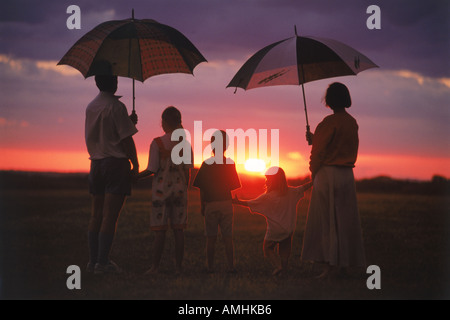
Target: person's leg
{"points": [[229, 251], [210, 251], [179, 248], [158, 246], [112, 207], [330, 272], [284, 250], [226, 228], [269, 253], [95, 223]]}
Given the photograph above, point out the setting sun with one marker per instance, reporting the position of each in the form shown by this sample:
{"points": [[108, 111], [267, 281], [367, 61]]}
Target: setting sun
{"points": [[255, 165]]}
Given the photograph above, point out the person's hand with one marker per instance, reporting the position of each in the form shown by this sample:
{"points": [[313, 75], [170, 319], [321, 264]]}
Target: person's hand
{"points": [[135, 173], [134, 117], [309, 137]]}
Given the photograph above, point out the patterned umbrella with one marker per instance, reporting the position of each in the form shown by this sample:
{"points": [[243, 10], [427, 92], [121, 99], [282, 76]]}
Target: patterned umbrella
{"points": [[136, 49], [297, 60]]}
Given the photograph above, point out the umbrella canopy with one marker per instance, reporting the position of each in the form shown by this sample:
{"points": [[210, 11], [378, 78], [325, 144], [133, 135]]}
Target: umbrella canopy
{"points": [[297, 60], [133, 48]]}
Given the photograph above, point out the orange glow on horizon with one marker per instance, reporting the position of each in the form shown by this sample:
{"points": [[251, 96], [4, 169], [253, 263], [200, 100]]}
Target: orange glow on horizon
{"points": [[367, 166], [256, 166]]}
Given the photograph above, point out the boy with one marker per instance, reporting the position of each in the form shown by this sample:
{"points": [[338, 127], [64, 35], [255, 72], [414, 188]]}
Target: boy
{"points": [[216, 179]]}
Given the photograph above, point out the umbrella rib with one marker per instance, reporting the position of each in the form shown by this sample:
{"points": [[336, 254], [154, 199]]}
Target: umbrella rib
{"points": [[140, 57]]}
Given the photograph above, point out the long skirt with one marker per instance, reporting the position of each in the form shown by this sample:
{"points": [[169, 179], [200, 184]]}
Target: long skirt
{"points": [[333, 228]]}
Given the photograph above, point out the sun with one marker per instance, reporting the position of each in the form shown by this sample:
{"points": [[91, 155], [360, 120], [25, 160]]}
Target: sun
{"points": [[255, 165]]}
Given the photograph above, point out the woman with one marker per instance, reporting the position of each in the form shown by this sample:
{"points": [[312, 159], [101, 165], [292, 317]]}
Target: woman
{"points": [[333, 229]]}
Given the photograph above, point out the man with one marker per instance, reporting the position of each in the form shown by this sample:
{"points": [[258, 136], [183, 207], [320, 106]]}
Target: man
{"points": [[109, 139]]}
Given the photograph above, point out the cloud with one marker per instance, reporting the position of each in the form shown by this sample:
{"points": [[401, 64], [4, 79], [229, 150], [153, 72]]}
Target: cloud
{"points": [[421, 79], [295, 155], [27, 67], [11, 123], [52, 66]]}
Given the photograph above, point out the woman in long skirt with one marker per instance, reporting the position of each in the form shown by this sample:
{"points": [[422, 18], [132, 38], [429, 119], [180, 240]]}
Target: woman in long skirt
{"points": [[333, 232]]}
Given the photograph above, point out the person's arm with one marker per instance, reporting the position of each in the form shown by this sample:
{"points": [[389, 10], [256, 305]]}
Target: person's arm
{"points": [[322, 137], [243, 203], [130, 150], [153, 162], [309, 137], [144, 174], [307, 185]]}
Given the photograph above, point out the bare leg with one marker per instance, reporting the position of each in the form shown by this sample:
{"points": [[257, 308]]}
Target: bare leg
{"points": [[112, 206], [158, 246], [95, 223], [284, 251], [270, 254]]}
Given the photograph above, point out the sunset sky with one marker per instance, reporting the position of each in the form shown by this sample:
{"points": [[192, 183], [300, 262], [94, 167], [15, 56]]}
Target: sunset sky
{"points": [[402, 108]]}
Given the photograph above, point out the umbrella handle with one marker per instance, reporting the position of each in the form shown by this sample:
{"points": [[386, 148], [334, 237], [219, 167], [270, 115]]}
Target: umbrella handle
{"points": [[308, 129], [134, 117], [309, 135]]}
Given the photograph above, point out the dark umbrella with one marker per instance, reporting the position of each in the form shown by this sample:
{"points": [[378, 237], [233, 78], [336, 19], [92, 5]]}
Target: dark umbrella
{"points": [[133, 48], [297, 60]]}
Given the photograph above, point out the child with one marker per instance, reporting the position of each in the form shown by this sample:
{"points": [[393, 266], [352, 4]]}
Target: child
{"points": [[216, 179], [279, 205], [169, 190]]}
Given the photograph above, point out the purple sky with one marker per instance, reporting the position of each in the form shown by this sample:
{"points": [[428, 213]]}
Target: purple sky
{"points": [[402, 107]]}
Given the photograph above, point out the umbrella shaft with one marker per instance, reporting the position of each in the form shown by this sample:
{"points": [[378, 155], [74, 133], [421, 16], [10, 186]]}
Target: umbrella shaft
{"points": [[133, 96], [304, 103]]}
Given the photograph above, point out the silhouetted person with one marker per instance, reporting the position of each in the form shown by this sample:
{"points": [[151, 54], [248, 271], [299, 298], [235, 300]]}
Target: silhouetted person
{"points": [[216, 179], [333, 230], [169, 189], [279, 205], [108, 133]]}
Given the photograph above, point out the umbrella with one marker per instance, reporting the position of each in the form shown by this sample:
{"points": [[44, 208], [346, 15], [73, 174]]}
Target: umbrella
{"points": [[133, 48], [297, 60]]}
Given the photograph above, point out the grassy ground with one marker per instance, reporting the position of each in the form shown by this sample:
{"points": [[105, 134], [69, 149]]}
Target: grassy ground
{"points": [[44, 232]]}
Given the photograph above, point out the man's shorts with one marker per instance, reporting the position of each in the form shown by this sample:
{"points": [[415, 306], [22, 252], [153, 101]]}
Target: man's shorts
{"points": [[110, 175], [219, 214]]}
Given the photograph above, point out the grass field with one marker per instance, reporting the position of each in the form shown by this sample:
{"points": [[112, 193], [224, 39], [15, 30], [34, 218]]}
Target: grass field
{"points": [[44, 231]]}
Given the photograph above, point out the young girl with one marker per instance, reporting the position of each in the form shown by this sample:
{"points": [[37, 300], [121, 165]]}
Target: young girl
{"points": [[279, 205], [169, 190]]}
